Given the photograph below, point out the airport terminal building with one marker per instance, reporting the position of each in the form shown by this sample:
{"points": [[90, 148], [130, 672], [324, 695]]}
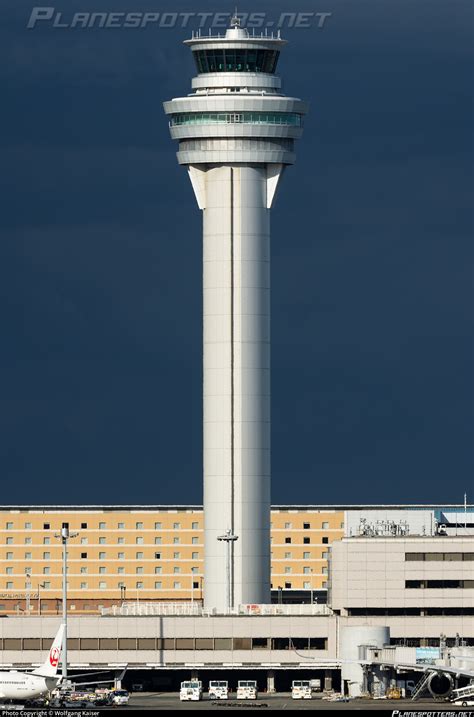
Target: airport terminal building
{"points": [[398, 580], [393, 578]]}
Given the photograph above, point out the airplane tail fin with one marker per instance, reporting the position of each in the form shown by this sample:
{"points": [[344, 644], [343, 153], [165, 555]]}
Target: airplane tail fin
{"points": [[49, 668]]}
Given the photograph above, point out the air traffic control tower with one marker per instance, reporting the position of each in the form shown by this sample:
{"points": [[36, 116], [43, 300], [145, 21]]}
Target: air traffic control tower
{"points": [[236, 134]]}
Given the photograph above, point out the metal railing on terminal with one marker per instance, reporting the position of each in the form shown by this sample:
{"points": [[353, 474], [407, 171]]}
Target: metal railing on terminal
{"points": [[135, 609]]}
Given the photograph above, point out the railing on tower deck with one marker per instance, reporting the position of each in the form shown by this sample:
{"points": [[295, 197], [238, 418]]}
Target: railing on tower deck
{"points": [[193, 609]]}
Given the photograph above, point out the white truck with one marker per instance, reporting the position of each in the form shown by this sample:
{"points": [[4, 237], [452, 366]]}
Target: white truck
{"points": [[120, 697], [247, 690], [190, 691], [218, 690], [301, 690]]}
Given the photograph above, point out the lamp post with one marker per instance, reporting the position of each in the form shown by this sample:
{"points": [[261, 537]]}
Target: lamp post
{"points": [[40, 586], [311, 586], [28, 593], [64, 536], [228, 538]]}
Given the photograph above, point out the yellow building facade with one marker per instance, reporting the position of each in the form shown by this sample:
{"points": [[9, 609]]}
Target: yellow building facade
{"points": [[142, 553]]}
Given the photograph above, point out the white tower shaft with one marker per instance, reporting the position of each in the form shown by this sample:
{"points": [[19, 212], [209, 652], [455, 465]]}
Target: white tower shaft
{"points": [[236, 308]]}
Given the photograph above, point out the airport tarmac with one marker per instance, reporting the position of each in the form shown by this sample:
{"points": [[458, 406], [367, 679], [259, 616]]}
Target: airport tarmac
{"points": [[281, 701]]}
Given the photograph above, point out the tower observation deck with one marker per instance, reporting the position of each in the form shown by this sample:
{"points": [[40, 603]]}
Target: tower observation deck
{"points": [[236, 134]]}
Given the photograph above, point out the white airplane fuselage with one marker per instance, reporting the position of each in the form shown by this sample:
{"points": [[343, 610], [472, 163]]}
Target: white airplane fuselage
{"points": [[24, 686]]}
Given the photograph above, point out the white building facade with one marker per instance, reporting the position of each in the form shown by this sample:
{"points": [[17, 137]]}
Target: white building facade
{"points": [[404, 576]]}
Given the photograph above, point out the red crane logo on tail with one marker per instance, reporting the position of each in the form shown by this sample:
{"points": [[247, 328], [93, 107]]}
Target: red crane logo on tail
{"points": [[54, 656]]}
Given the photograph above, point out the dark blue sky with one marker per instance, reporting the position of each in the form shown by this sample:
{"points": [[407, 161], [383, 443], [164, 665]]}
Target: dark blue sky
{"points": [[372, 264]]}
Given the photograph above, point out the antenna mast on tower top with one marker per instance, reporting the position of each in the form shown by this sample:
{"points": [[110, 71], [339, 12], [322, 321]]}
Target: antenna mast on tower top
{"points": [[235, 19]]}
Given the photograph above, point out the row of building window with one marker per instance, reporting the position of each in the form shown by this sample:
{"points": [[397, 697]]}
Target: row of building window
{"points": [[219, 144], [102, 540], [447, 557], [428, 641], [102, 570], [158, 525], [195, 540], [304, 556], [171, 643], [288, 586], [207, 643], [9, 585], [175, 526], [280, 118], [102, 556], [46, 585], [157, 556], [409, 611], [436, 584], [140, 570], [231, 59], [103, 526], [306, 540]]}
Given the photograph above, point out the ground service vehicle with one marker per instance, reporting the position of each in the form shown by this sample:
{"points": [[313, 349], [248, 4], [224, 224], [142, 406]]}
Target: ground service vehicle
{"points": [[103, 701], [394, 693], [218, 690], [120, 697], [301, 690], [190, 691], [76, 704], [247, 690], [463, 696], [78, 696]]}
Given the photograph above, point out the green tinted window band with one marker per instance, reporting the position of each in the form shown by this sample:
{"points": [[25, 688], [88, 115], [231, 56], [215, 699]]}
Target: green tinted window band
{"points": [[282, 118]]}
